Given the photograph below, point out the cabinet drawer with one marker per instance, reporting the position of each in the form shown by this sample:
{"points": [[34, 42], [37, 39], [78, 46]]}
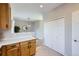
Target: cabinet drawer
{"points": [[10, 46], [25, 43]]}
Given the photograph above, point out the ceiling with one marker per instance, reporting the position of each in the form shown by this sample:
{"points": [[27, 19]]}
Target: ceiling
{"points": [[31, 11]]}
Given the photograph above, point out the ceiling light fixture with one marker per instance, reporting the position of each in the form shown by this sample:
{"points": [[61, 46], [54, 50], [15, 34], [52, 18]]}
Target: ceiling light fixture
{"points": [[41, 6]]}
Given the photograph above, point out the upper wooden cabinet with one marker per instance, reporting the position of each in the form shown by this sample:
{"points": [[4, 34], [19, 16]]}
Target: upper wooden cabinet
{"points": [[5, 16]]}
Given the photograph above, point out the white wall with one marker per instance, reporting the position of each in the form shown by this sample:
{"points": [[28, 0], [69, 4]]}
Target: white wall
{"points": [[39, 29], [23, 11], [39, 32]]}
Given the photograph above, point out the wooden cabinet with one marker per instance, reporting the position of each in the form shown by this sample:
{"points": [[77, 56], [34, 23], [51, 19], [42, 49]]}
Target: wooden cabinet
{"points": [[32, 47], [25, 48], [28, 48], [5, 16], [11, 50], [0, 52]]}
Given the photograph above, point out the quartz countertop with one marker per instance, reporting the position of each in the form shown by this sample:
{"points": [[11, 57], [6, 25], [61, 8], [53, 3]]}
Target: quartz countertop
{"points": [[15, 40]]}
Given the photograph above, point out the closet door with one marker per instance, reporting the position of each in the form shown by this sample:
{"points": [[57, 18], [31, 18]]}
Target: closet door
{"points": [[50, 33], [60, 37], [54, 35]]}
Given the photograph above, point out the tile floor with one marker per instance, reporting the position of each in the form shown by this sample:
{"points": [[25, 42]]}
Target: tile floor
{"points": [[45, 51]]}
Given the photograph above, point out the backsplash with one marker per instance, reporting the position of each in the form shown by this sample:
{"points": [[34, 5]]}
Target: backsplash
{"points": [[9, 35], [21, 24]]}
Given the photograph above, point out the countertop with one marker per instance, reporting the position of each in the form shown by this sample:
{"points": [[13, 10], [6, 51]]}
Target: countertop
{"points": [[15, 40]]}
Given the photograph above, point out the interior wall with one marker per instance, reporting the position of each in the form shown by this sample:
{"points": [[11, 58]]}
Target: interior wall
{"points": [[39, 31], [65, 10]]}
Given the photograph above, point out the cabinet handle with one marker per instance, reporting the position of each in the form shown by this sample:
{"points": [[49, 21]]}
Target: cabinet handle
{"points": [[30, 46], [6, 25]]}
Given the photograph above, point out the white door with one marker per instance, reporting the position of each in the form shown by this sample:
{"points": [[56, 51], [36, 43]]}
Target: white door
{"points": [[54, 35], [60, 37], [75, 33], [49, 34]]}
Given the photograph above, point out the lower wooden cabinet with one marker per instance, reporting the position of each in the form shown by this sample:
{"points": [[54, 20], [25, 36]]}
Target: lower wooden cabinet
{"points": [[0, 52], [32, 47], [11, 50], [26, 48]]}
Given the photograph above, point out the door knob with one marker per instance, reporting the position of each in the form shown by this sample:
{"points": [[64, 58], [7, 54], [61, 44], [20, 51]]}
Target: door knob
{"points": [[75, 40]]}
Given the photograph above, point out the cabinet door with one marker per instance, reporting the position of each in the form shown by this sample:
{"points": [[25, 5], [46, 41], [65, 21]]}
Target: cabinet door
{"points": [[55, 35], [13, 52], [32, 47], [4, 16], [8, 16], [24, 48], [24, 51], [60, 37], [75, 33], [13, 49], [0, 52], [32, 50]]}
